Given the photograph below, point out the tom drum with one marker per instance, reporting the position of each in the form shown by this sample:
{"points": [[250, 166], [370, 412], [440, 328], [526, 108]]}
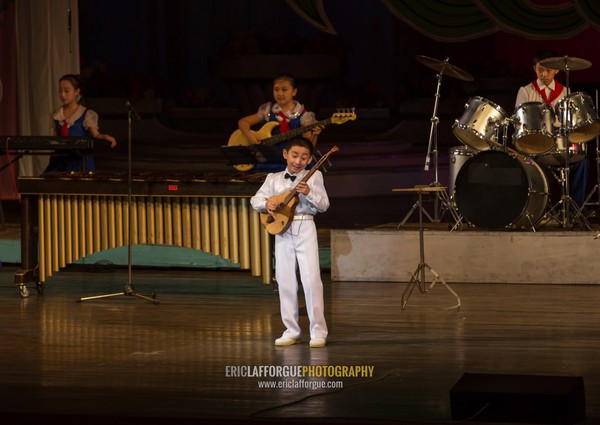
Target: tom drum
{"points": [[534, 128], [477, 126], [577, 113]]}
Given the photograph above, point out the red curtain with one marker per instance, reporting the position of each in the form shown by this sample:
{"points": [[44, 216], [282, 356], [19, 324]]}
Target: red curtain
{"points": [[8, 102]]}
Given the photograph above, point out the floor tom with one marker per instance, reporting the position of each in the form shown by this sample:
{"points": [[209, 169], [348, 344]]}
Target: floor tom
{"points": [[458, 155], [556, 157]]}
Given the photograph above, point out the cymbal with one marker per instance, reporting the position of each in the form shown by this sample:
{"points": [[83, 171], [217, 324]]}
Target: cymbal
{"points": [[444, 67], [562, 63]]}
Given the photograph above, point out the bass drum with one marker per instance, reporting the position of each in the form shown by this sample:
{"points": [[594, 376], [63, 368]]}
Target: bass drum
{"points": [[495, 190]]}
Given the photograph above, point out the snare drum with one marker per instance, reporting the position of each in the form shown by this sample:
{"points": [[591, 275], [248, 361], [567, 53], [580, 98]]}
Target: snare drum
{"points": [[583, 124], [556, 157], [477, 126], [534, 128]]}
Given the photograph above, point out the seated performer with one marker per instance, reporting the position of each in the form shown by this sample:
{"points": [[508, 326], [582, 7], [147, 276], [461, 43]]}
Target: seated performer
{"points": [[73, 119], [549, 91], [288, 112]]}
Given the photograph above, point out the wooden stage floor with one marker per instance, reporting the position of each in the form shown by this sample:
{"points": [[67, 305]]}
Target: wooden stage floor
{"points": [[126, 360]]}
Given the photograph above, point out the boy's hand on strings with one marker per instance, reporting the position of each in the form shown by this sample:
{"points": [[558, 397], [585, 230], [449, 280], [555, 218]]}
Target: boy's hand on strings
{"points": [[303, 188], [271, 205]]}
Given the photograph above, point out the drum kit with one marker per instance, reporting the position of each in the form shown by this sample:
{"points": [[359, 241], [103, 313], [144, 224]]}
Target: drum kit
{"points": [[495, 186]]}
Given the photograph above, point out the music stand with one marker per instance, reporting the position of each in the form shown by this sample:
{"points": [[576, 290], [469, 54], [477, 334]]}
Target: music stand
{"points": [[238, 155], [129, 290], [244, 157], [418, 276]]}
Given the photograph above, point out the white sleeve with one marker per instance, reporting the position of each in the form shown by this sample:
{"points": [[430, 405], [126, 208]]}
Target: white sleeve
{"points": [[521, 97], [259, 200], [317, 196]]}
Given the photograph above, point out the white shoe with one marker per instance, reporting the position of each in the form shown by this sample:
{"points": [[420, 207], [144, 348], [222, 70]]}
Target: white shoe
{"points": [[317, 342], [285, 341]]}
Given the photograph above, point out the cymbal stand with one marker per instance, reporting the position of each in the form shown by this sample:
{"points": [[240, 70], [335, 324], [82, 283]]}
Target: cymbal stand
{"points": [[568, 210], [418, 277], [442, 203], [129, 290], [596, 189]]}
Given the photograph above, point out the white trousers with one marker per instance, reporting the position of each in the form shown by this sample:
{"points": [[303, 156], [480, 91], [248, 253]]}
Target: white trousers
{"points": [[298, 245]]}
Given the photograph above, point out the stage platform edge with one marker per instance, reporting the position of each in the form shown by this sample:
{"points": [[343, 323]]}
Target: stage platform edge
{"points": [[391, 254]]}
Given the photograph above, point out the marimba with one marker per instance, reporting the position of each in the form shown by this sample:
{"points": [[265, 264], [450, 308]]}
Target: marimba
{"points": [[78, 215]]}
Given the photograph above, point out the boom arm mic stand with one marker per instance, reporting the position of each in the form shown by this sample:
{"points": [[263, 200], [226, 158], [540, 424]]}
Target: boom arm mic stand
{"points": [[596, 189], [129, 290], [442, 201]]}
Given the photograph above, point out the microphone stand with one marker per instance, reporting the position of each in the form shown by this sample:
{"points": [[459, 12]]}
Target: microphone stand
{"points": [[442, 201], [596, 189], [129, 290], [569, 211]]}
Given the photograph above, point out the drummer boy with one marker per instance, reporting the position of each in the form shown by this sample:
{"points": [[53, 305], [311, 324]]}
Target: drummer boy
{"points": [[545, 88], [549, 91]]}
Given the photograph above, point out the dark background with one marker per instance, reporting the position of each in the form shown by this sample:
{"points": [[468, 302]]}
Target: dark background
{"points": [[139, 47], [171, 51]]}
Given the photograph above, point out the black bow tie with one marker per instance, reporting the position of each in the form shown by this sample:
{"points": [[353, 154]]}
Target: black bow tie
{"points": [[289, 176]]}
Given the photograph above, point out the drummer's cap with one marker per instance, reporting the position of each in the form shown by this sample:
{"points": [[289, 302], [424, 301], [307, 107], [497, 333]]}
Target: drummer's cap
{"points": [[544, 54]]}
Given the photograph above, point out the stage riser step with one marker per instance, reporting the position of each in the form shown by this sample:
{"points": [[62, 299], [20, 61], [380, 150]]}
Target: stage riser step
{"points": [[467, 256]]}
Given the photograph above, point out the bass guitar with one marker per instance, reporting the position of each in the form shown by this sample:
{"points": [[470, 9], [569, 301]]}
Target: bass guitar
{"points": [[278, 221], [264, 134]]}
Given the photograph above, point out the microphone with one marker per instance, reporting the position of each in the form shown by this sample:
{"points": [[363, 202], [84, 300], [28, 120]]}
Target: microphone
{"points": [[131, 110]]}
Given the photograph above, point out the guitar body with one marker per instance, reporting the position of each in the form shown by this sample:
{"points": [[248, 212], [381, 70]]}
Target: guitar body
{"points": [[238, 138], [265, 137], [281, 219]]}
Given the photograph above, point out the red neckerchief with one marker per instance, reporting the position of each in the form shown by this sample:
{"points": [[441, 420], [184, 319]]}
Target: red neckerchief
{"points": [[558, 88], [64, 129], [284, 126]]}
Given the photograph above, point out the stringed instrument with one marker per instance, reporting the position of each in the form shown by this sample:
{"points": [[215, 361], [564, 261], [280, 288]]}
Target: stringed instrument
{"points": [[278, 221], [264, 134]]}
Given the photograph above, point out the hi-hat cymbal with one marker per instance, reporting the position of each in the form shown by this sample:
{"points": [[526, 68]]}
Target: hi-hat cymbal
{"points": [[444, 67], [562, 63]]}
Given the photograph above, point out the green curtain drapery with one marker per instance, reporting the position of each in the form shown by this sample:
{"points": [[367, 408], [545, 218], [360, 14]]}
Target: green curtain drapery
{"points": [[460, 20], [313, 12], [443, 20], [521, 18], [590, 11]]}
